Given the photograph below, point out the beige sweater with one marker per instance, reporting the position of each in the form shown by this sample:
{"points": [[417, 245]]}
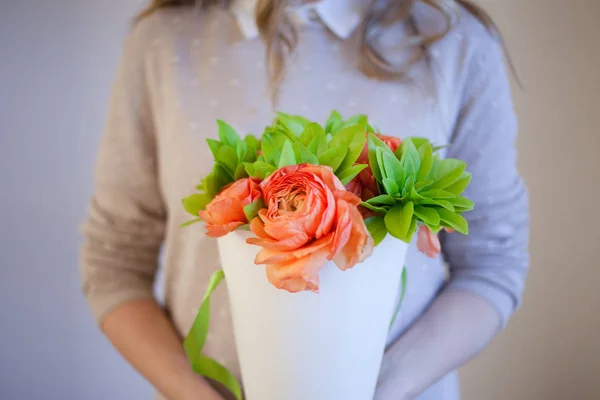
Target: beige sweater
{"points": [[181, 70]]}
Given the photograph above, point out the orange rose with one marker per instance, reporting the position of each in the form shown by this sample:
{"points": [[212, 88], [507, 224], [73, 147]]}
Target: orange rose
{"points": [[310, 218], [226, 211]]}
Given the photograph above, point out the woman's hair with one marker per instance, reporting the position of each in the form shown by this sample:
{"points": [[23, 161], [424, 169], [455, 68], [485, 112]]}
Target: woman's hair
{"points": [[280, 38]]}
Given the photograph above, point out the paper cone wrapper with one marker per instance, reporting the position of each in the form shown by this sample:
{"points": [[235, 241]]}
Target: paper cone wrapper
{"points": [[312, 346]]}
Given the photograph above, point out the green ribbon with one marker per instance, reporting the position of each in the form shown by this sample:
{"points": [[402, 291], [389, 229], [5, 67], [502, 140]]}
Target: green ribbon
{"points": [[194, 343], [402, 292]]}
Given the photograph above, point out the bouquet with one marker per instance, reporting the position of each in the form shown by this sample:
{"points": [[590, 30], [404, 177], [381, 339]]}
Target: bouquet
{"points": [[295, 211]]}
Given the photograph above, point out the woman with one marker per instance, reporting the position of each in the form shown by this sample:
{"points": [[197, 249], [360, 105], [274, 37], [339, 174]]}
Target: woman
{"points": [[429, 68]]}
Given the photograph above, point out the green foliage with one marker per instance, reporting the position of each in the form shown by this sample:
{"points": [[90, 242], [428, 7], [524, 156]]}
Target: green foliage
{"points": [[231, 155], [350, 173], [377, 229], [195, 202], [416, 186]]}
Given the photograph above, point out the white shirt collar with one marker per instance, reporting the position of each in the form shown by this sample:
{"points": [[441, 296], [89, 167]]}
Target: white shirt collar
{"points": [[342, 17]]}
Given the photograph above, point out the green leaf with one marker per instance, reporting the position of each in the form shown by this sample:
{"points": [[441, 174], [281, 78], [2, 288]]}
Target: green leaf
{"points": [[435, 228], [418, 141], [377, 229], [377, 209], [304, 155], [423, 185], [287, 155], [462, 204], [249, 168], [427, 215], [190, 222], [294, 123], [372, 128], [461, 184], [382, 199], [447, 172], [227, 157], [214, 147], [318, 145], [410, 159], [251, 210], [352, 138], [310, 132], [414, 195], [261, 170], [408, 186], [356, 119], [195, 202], [411, 230], [240, 172], [410, 169], [438, 194], [212, 185], [375, 143], [333, 157], [350, 173], [253, 146], [426, 156], [272, 144], [214, 182], [227, 134], [242, 151], [442, 203], [398, 220], [392, 169], [379, 157], [391, 187], [437, 148], [454, 221], [334, 122]]}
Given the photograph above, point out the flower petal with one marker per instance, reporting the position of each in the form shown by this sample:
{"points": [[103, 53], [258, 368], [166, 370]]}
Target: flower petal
{"points": [[216, 231], [267, 256], [359, 245], [428, 242], [298, 275], [290, 243], [342, 230]]}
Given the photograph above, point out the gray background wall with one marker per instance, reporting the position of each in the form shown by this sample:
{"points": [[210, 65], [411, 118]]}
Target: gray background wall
{"points": [[57, 60]]}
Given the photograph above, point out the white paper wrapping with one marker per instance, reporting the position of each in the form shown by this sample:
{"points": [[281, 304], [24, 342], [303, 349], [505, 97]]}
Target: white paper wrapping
{"points": [[308, 346]]}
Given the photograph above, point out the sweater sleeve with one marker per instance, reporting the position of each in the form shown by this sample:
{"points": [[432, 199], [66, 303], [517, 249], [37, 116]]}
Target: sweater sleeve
{"points": [[492, 261], [125, 223]]}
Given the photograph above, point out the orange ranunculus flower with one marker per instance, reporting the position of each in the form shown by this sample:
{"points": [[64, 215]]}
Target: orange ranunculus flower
{"points": [[364, 184], [429, 242], [310, 218], [226, 211]]}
